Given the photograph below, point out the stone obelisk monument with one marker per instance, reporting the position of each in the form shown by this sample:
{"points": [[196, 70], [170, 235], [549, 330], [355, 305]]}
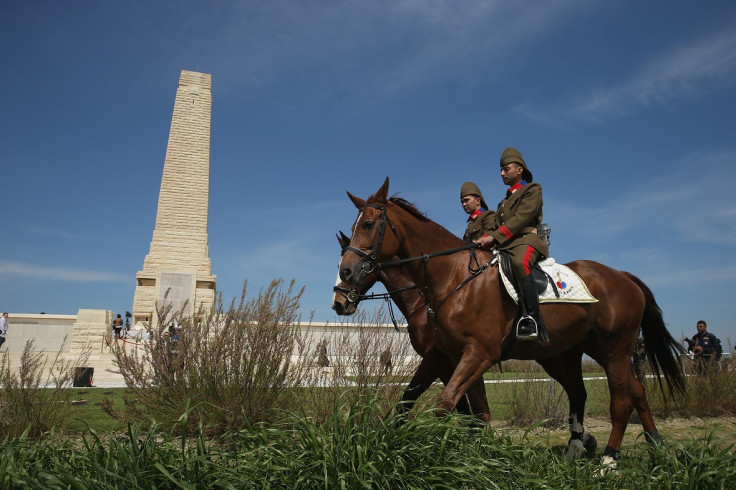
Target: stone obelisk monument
{"points": [[178, 261]]}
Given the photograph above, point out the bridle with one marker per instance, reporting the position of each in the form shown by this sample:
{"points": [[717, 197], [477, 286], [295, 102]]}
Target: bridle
{"points": [[369, 263]]}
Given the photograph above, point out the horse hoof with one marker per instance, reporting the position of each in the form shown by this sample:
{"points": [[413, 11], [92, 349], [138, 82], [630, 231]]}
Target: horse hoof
{"points": [[590, 443], [440, 413], [608, 465], [653, 438], [575, 449]]}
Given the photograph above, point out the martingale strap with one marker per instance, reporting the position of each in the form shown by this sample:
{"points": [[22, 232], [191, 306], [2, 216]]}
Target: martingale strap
{"points": [[473, 274]]}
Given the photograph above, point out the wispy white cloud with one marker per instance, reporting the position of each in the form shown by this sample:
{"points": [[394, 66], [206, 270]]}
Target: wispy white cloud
{"points": [[14, 269], [664, 276], [686, 71], [692, 205], [44, 230], [379, 48]]}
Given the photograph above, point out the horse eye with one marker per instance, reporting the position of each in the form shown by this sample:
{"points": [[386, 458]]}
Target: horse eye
{"points": [[369, 224]]}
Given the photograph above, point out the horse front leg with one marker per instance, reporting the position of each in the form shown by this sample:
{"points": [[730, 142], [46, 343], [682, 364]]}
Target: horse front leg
{"points": [[478, 400], [434, 365], [445, 368], [429, 369], [471, 367]]}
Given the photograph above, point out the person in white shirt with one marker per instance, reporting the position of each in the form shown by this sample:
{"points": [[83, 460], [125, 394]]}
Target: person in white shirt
{"points": [[3, 328]]}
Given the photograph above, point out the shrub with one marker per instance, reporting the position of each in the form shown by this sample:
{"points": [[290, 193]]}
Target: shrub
{"points": [[710, 395], [228, 368], [35, 398]]}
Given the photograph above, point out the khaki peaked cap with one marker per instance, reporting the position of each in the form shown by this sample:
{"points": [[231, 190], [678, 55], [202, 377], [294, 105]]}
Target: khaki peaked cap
{"points": [[512, 155], [472, 189]]}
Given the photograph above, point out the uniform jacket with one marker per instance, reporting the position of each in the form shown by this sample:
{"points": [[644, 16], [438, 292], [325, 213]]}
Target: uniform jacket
{"points": [[517, 219], [481, 225], [708, 342]]}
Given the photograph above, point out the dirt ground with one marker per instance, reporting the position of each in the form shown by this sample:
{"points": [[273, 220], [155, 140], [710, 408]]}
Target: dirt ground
{"points": [[720, 429]]}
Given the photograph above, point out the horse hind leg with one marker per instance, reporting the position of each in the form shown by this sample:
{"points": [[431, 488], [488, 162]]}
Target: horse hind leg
{"points": [[566, 369], [622, 404], [638, 394]]}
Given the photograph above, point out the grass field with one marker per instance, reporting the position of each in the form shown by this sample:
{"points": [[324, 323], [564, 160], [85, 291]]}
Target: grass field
{"points": [[88, 412], [359, 448], [228, 409]]}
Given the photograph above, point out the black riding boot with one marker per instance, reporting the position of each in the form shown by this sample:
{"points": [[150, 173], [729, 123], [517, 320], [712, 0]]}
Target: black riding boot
{"points": [[530, 323]]}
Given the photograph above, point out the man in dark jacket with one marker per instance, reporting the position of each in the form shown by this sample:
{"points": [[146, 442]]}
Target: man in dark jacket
{"points": [[706, 348], [515, 231]]}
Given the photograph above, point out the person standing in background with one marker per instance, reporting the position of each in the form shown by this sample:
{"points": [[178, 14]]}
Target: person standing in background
{"points": [[3, 328]]}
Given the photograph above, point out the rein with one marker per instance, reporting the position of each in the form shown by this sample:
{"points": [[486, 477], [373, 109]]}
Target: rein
{"points": [[354, 297], [387, 298]]}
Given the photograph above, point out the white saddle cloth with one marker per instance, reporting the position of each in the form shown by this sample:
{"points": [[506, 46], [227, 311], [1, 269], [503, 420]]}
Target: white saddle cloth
{"points": [[570, 287]]}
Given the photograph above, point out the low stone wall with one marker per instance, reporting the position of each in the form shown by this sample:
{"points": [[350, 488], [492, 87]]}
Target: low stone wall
{"points": [[91, 329], [47, 332], [54, 333]]}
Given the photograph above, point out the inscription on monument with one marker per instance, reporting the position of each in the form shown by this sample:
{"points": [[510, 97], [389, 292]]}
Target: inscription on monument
{"points": [[180, 287]]}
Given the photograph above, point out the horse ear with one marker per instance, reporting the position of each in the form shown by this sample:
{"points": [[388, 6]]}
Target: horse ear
{"points": [[359, 203], [382, 193], [343, 240]]}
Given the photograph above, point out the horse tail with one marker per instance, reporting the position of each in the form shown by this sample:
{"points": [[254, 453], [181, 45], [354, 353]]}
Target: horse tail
{"points": [[662, 349]]}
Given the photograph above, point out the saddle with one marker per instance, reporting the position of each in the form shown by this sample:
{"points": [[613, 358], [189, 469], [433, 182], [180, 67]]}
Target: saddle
{"points": [[540, 276], [556, 283]]}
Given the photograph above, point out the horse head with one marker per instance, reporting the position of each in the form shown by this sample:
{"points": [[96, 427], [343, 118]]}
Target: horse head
{"points": [[371, 243], [346, 298]]}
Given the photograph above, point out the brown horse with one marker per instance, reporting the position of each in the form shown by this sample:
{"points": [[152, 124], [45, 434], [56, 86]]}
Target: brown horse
{"points": [[473, 323], [434, 363]]}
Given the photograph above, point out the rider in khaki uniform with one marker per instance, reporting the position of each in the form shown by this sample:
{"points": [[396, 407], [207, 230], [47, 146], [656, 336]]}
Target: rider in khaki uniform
{"points": [[515, 231], [480, 219]]}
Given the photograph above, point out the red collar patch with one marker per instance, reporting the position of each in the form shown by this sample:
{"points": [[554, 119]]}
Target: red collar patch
{"points": [[515, 188]]}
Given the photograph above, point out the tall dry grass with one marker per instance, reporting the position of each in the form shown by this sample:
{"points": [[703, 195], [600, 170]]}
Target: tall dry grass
{"points": [[35, 396], [229, 368], [535, 397], [251, 363]]}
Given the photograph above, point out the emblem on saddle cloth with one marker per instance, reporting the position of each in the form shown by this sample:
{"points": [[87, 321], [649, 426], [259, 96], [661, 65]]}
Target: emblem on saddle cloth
{"points": [[570, 288]]}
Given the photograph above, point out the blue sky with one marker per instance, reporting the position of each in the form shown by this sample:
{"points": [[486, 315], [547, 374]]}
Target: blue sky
{"points": [[625, 112]]}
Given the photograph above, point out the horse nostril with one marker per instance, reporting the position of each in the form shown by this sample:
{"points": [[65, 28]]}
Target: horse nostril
{"points": [[337, 307]]}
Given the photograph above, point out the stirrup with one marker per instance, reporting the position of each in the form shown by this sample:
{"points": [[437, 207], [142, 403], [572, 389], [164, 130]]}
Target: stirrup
{"points": [[527, 336]]}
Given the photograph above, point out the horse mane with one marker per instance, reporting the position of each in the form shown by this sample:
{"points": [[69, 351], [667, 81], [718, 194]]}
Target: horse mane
{"points": [[408, 207], [411, 209]]}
